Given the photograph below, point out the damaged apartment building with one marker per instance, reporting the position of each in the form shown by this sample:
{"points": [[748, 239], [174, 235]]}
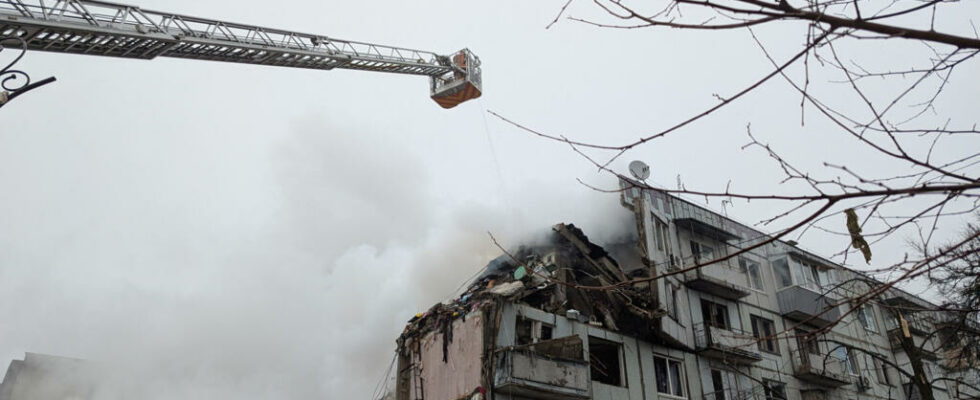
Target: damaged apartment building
{"points": [[574, 320]]}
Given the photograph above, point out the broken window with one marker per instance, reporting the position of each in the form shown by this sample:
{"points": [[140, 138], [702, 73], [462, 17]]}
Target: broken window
{"points": [[702, 252], [780, 268], [714, 314], [751, 268], [530, 331], [774, 390], [605, 361], [545, 332], [670, 376], [765, 331]]}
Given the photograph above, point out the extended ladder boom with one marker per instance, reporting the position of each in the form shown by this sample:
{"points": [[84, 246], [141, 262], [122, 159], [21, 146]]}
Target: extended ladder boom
{"points": [[119, 30]]}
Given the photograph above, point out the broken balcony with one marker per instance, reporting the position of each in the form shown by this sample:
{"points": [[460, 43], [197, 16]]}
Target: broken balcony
{"points": [[820, 369], [918, 324], [926, 351], [808, 305], [552, 369], [729, 345], [721, 279]]}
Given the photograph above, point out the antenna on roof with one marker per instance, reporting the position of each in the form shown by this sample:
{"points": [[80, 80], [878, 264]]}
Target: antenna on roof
{"points": [[640, 170]]}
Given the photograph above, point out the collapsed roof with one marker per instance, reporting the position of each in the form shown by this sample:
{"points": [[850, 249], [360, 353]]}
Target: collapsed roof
{"points": [[569, 275]]}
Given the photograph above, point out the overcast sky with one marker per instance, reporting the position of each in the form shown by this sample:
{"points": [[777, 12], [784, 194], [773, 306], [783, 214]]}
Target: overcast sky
{"points": [[255, 232]]}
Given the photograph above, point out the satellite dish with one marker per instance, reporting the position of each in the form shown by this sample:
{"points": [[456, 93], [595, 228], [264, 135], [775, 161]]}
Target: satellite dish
{"points": [[640, 170]]}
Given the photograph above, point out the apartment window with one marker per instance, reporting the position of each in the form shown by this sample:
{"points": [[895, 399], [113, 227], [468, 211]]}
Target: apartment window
{"points": [[780, 269], [807, 275], [605, 361], [545, 332], [882, 372], [718, 385], [530, 331], [714, 314], [670, 376], [853, 367], [661, 230], [751, 268], [765, 331], [807, 342], [662, 233], [702, 252], [671, 300], [866, 315], [848, 358], [827, 277], [774, 390]]}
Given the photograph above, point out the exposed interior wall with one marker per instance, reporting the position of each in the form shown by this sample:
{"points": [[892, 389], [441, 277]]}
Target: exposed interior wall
{"points": [[460, 373]]}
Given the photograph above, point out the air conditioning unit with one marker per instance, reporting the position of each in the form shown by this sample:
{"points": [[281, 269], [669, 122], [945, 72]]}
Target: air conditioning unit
{"points": [[863, 383]]}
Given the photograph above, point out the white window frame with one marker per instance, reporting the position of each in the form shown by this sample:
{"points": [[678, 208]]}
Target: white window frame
{"points": [[776, 276], [670, 383], [866, 316], [535, 328], [744, 264]]}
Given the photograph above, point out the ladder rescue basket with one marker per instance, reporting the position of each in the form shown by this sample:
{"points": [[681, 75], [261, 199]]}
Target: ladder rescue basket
{"points": [[461, 84]]}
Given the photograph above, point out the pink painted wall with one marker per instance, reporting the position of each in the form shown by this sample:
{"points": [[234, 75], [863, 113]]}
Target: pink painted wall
{"points": [[460, 375]]}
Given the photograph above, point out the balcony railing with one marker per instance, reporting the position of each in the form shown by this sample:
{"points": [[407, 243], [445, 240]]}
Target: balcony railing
{"points": [[729, 344], [804, 304], [523, 371], [733, 394], [723, 279], [820, 369]]}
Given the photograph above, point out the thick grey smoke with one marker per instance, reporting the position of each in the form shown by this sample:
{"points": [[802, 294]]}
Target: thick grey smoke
{"points": [[290, 281]]}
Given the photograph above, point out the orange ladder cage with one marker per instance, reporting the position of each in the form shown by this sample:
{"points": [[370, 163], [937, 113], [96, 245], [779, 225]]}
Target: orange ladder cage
{"points": [[462, 84]]}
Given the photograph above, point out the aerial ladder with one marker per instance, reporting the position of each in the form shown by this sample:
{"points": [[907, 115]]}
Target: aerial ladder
{"points": [[120, 30]]}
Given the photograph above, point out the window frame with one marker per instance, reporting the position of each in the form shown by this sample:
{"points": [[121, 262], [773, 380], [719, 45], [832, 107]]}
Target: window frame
{"points": [[881, 371], [744, 263], [658, 233], [671, 385], [781, 264], [536, 330], [696, 255], [670, 300], [772, 344], [715, 308], [866, 316], [847, 356], [807, 342], [769, 385], [620, 356]]}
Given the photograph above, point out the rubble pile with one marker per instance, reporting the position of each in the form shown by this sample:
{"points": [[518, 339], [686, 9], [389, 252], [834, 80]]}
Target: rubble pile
{"points": [[568, 276]]}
